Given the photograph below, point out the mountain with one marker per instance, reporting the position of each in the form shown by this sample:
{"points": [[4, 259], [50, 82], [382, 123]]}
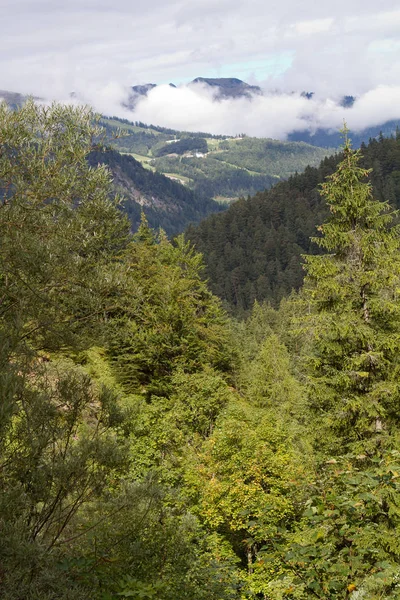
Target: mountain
{"points": [[229, 87], [166, 203], [224, 87], [232, 87], [209, 167], [253, 250], [138, 91], [143, 90], [345, 101], [221, 167]]}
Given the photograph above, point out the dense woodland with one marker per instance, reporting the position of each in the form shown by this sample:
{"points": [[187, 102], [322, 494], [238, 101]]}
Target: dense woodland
{"points": [[253, 251], [153, 448]]}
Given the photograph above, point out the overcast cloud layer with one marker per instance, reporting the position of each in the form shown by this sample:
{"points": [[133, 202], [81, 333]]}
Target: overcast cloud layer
{"points": [[98, 49]]}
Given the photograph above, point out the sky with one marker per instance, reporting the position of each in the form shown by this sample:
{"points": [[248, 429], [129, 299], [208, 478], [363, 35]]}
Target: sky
{"points": [[99, 48]]}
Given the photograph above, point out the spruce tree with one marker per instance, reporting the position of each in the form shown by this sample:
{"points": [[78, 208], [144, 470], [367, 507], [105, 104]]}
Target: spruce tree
{"points": [[348, 540], [353, 294]]}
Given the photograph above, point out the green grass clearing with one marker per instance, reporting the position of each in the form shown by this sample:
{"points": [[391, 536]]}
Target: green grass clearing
{"points": [[144, 160], [183, 180]]}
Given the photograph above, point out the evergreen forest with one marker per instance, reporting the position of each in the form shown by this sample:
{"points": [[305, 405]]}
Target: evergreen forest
{"points": [[254, 250], [151, 446]]}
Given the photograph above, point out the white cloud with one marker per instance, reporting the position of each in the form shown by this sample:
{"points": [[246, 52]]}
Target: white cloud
{"points": [[193, 108], [311, 27], [375, 107]]}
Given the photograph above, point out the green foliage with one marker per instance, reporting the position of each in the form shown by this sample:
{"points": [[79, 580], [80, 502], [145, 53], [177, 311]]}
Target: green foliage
{"points": [[162, 429], [113, 358], [58, 453], [253, 250], [58, 228], [353, 290], [245, 463], [59, 235], [130, 465], [347, 543], [246, 484], [268, 381], [147, 547], [347, 540], [253, 331], [166, 319]]}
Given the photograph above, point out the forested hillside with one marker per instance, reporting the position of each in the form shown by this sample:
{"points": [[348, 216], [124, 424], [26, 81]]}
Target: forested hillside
{"points": [[166, 203], [114, 359], [253, 250], [153, 448], [213, 166]]}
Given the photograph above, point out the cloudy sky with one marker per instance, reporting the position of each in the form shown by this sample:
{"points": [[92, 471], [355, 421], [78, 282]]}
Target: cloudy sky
{"points": [[98, 49]]}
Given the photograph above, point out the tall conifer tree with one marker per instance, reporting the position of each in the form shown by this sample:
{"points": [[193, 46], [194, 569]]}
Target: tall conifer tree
{"points": [[353, 289], [347, 544]]}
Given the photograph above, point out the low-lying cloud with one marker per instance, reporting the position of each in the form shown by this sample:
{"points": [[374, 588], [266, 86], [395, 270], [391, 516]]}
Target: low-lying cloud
{"points": [[194, 107]]}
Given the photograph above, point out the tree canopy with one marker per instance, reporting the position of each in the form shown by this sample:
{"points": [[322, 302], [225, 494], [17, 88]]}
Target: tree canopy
{"points": [[150, 446]]}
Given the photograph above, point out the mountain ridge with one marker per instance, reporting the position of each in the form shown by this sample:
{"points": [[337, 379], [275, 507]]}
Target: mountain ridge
{"points": [[166, 203]]}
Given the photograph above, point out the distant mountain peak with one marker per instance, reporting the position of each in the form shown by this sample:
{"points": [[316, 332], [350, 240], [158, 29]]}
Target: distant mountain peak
{"points": [[221, 81], [225, 87], [229, 87], [308, 95], [347, 101], [143, 89]]}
